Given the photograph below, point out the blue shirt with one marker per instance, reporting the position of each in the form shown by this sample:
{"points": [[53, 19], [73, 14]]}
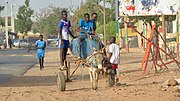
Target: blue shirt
{"points": [[85, 26], [40, 45]]}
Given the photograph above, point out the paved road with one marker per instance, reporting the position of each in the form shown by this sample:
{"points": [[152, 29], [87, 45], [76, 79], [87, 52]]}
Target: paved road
{"points": [[16, 62]]}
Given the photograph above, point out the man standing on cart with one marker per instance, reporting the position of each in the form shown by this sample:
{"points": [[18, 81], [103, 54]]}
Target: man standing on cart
{"points": [[63, 42]]}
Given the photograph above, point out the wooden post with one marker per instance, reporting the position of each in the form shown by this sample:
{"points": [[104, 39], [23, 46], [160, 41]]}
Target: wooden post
{"points": [[126, 34], [68, 70], [117, 22], [67, 64], [164, 36], [6, 25], [177, 33]]}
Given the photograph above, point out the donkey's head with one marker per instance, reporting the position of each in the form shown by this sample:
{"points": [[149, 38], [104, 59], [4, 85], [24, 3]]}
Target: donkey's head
{"points": [[99, 60], [96, 59]]}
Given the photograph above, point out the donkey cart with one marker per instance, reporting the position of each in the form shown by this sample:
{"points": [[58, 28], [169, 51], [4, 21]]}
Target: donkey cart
{"points": [[92, 57]]}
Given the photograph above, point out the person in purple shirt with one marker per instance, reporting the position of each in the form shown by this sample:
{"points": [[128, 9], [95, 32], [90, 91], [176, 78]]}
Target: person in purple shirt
{"points": [[63, 41]]}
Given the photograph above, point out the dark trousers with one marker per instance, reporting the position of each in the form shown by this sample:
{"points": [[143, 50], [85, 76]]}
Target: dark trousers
{"points": [[41, 62], [80, 39], [63, 53]]}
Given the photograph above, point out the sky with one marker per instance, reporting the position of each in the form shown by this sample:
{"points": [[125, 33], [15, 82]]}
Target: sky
{"points": [[38, 4]]}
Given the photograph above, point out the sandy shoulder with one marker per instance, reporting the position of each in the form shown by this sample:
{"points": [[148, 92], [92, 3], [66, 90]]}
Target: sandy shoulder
{"points": [[38, 85]]}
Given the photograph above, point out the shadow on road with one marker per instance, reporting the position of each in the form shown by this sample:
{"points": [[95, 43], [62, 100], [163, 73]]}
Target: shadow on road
{"points": [[4, 77], [30, 81]]}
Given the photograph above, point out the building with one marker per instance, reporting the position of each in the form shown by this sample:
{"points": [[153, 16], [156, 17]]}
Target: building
{"points": [[151, 8]]}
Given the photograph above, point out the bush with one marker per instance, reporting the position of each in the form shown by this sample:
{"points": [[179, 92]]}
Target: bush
{"points": [[110, 29]]}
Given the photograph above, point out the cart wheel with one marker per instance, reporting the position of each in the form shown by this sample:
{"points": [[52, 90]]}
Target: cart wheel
{"points": [[61, 85], [111, 78]]}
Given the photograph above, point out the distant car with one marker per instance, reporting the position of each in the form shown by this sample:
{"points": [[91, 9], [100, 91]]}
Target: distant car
{"points": [[16, 43], [31, 43], [23, 43], [20, 43], [51, 39]]}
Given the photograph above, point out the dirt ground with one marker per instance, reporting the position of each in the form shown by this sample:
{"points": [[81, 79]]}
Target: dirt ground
{"points": [[38, 85]]}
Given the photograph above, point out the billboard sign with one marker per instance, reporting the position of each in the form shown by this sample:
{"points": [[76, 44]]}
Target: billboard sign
{"points": [[148, 7]]}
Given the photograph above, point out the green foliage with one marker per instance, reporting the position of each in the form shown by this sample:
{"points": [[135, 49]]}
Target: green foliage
{"points": [[1, 8], [147, 19], [92, 6], [49, 25], [110, 29], [170, 17], [24, 22], [155, 18], [2, 21]]}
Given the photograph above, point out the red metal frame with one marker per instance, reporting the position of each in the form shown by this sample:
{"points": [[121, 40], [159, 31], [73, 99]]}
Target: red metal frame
{"points": [[147, 52]]}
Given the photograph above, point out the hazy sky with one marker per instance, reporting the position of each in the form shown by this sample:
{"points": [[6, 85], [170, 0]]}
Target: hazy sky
{"points": [[38, 4]]}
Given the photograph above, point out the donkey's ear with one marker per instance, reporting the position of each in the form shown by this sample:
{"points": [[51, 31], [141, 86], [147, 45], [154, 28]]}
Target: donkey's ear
{"points": [[95, 49], [102, 50]]}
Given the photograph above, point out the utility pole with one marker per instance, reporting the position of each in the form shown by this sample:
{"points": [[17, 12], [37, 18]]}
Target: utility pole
{"points": [[117, 22], [6, 24], [12, 19], [104, 8], [81, 3], [126, 34], [164, 36], [177, 33]]}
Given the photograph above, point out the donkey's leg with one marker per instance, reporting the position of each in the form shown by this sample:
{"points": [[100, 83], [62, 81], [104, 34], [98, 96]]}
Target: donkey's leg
{"points": [[96, 79], [91, 78], [90, 75]]}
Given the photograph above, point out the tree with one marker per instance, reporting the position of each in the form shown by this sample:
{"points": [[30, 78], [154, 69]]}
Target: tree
{"points": [[155, 18], [91, 6], [47, 23], [110, 31], [24, 22], [111, 2], [44, 12], [1, 19], [1, 8]]}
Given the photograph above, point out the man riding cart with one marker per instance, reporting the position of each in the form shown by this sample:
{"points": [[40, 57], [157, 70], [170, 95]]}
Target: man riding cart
{"points": [[87, 41]]}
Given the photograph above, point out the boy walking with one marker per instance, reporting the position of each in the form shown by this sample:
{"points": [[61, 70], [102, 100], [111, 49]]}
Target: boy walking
{"points": [[63, 44], [114, 55], [40, 46]]}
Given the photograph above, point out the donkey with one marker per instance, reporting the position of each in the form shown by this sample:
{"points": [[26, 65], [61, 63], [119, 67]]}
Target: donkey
{"points": [[94, 63]]}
